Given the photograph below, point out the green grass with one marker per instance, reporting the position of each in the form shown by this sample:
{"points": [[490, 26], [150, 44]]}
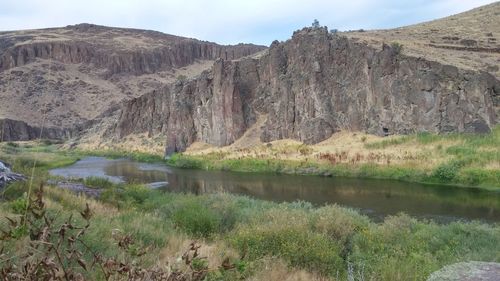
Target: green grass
{"points": [[467, 162], [134, 155], [324, 240]]}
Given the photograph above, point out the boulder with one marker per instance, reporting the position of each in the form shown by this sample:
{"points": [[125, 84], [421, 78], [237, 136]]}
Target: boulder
{"points": [[468, 271]]}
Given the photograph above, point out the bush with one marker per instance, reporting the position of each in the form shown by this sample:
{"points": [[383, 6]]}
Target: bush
{"points": [[403, 248], [397, 47], [447, 172], [19, 205], [196, 220], [305, 249], [305, 150], [12, 144], [98, 182], [202, 216]]}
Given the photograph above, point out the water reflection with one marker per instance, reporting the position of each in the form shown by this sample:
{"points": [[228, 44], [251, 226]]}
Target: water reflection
{"points": [[377, 198]]}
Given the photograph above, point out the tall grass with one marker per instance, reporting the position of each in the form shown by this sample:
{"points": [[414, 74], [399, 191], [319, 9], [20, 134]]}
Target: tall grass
{"points": [[331, 242], [452, 159]]}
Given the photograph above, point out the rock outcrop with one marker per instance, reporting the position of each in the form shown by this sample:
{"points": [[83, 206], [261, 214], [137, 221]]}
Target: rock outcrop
{"points": [[468, 271], [71, 75], [7, 176], [311, 86], [14, 130], [151, 52]]}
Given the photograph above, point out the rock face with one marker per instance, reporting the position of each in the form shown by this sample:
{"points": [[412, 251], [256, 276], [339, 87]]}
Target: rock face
{"points": [[71, 75], [14, 130], [7, 176], [311, 86], [181, 52]]}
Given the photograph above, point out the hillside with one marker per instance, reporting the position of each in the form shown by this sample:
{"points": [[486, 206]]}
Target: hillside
{"points": [[65, 76], [469, 40]]}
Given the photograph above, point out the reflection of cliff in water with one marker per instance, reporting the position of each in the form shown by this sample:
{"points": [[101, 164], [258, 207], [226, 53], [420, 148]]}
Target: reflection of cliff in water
{"points": [[134, 173], [373, 196]]}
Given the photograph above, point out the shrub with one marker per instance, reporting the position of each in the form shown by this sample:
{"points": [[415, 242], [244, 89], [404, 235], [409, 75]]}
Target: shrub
{"points": [[447, 172], [305, 150], [98, 182], [403, 248], [300, 248], [12, 144], [196, 220], [397, 47], [19, 205], [201, 216]]}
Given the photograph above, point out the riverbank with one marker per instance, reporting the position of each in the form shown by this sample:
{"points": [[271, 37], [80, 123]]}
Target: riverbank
{"points": [[453, 159], [240, 237]]}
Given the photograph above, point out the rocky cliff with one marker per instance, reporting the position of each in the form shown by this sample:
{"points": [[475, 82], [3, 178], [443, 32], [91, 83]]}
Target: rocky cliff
{"points": [[15, 130], [166, 52], [68, 76], [311, 86]]}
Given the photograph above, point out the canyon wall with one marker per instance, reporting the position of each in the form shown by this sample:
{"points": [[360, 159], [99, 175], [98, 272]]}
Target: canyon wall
{"points": [[311, 86], [133, 61], [68, 76], [15, 130]]}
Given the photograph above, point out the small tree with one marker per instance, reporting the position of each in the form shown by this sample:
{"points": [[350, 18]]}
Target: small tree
{"points": [[397, 47], [181, 78], [315, 23]]}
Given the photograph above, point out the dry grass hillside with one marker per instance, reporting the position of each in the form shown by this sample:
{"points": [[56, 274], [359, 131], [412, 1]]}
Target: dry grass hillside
{"points": [[469, 40], [64, 76]]}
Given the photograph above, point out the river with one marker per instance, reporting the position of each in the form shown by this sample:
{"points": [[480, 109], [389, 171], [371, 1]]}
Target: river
{"points": [[375, 198]]}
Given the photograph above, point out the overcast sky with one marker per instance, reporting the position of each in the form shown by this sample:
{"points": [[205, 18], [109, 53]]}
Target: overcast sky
{"points": [[226, 21]]}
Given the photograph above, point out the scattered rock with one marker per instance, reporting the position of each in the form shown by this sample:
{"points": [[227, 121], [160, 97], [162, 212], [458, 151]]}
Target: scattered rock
{"points": [[468, 42], [468, 271], [78, 188], [7, 176]]}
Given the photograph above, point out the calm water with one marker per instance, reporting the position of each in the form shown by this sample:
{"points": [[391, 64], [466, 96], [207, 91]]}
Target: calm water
{"points": [[376, 198]]}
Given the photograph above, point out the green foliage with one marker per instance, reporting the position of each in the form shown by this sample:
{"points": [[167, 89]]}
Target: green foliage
{"points": [[403, 248], [199, 264], [201, 217], [388, 142], [19, 205], [304, 249], [397, 47], [114, 154], [447, 172], [98, 182], [12, 144], [125, 195], [305, 150], [196, 220]]}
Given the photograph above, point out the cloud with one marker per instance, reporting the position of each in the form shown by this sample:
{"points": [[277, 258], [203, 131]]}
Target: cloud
{"points": [[225, 21]]}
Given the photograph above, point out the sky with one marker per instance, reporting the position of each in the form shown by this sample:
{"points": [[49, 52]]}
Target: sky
{"points": [[225, 21]]}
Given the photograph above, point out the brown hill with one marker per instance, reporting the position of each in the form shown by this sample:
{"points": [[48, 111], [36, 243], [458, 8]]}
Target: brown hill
{"points": [[469, 40], [65, 76]]}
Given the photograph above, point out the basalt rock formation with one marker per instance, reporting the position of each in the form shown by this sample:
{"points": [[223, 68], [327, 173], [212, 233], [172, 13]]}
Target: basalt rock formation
{"points": [[170, 51], [15, 130], [69, 76], [311, 86]]}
